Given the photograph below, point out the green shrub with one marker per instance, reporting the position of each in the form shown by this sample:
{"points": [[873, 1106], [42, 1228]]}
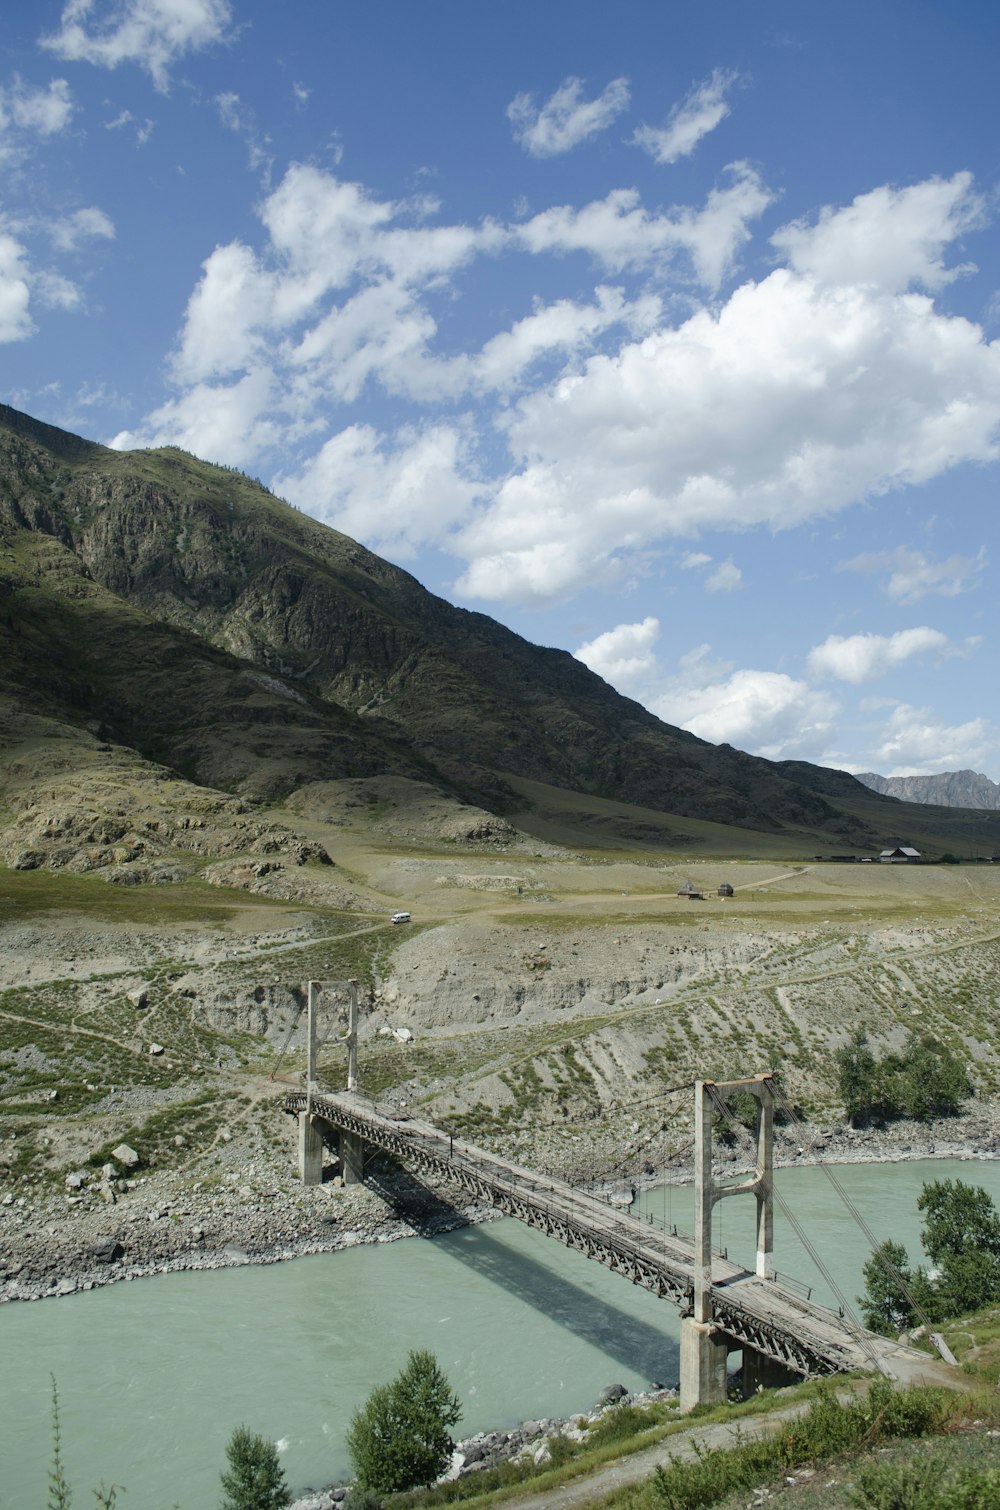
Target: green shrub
{"points": [[924, 1483], [254, 1479], [829, 1427], [401, 1436]]}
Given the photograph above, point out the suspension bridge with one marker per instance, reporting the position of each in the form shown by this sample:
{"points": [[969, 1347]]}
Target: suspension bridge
{"points": [[782, 1334]]}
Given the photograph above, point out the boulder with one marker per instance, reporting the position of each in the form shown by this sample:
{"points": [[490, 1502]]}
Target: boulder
{"points": [[125, 1156], [108, 1251], [139, 997], [613, 1394]]}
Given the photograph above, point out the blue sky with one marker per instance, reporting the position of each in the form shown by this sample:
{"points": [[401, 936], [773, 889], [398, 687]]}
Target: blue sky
{"points": [[665, 333]]}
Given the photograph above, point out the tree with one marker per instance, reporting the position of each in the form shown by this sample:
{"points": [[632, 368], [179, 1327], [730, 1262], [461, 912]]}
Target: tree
{"points": [[932, 1082], [884, 1304], [856, 1076], [254, 1479], [401, 1437], [961, 1237], [959, 1218]]}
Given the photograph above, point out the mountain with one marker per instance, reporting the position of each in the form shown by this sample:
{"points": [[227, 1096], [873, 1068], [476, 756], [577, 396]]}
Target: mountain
{"points": [[948, 789], [179, 611]]}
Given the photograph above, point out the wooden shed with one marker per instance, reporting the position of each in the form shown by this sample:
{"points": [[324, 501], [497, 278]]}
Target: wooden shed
{"points": [[690, 890], [725, 890]]}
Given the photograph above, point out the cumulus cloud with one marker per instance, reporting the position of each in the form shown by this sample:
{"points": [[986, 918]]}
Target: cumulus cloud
{"points": [[725, 578], [889, 239], [764, 712], [151, 33], [620, 233], [566, 118], [45, 112], [393, 493], [228, 423], [790, 401], [915, 742], [692, 560], [694, 117], [913, 574], [624, 656], [71, 231], [861, 658], [15, 293]]}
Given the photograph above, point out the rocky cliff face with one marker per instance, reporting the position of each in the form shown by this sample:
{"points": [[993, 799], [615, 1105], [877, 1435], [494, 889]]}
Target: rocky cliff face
{"points": [[947, 789]]}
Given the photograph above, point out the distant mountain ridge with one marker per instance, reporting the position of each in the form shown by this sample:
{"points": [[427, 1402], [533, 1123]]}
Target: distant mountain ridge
{"points": [[947, 789], [179, 610]]}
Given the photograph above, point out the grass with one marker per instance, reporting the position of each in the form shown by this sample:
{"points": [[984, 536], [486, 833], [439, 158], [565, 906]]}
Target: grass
{"points": [[26, 894]]}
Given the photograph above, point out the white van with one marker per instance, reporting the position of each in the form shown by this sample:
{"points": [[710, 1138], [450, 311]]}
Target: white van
{"points": [[401, 917]]}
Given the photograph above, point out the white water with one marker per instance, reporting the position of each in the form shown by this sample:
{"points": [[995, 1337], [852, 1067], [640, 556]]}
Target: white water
{"points": [[154, 1374]]}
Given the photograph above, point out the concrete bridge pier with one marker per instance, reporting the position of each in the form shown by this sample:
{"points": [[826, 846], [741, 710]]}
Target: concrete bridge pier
{"points": [[704, 1352], [310, 1149], [352, 1158], [761, 1372]]}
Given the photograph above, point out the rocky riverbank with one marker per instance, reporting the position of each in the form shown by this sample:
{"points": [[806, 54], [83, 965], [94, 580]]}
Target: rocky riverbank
{"points": [[106, 1231], [529, 1441]]}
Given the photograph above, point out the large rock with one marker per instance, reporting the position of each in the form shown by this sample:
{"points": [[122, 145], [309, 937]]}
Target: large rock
{"points": [[125, 1156]]}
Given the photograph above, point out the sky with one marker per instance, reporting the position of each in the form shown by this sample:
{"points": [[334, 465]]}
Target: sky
{"points": [[667, 333]]}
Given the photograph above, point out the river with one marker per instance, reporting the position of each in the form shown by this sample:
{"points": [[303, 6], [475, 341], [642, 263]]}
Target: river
{"points": [[153, 1375]]}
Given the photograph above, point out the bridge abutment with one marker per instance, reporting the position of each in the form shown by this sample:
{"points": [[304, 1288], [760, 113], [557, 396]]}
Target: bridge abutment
{"points": [[704, 1352], [310, 1149]]}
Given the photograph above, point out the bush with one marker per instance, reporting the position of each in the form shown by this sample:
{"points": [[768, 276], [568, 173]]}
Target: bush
{"points": [[829, 1427], [401, 1437], [254, 1479], [924, 1081], [925, 1484]]}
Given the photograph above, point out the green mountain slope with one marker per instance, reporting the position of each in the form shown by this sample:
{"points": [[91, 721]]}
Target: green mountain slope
{"points": [[204, 623]]}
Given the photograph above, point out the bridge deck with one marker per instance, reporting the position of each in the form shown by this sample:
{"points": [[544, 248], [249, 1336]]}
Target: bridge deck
{"points": [[762, 1314]]}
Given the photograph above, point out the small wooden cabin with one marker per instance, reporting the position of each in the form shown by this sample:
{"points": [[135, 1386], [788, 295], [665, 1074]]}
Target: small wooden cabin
{"points": [[725, 890], [691, 892]]}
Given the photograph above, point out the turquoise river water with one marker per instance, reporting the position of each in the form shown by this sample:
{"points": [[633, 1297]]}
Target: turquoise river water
{"points": [[153, 1375]]}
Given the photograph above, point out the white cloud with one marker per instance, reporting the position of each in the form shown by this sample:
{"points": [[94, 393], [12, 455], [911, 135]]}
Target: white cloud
{"points": [[694, 117], [913, 574], [915, 742], [42, 111], [889, 239], [565, 119], [393, 494], [151, 33], [726, 578], [622, 234], [861, 658], [791, 400], [623, 656], [15, 294], [694, 559], [765, 712], [83, 225], [225, 423]]}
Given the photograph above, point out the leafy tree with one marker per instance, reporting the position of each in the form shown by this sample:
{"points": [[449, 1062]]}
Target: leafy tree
{"points": [[856, 1077], [933, 1082], [401, 1436], [884, 1305], [961, 1236], [254, 1479], [958, 1217]]}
